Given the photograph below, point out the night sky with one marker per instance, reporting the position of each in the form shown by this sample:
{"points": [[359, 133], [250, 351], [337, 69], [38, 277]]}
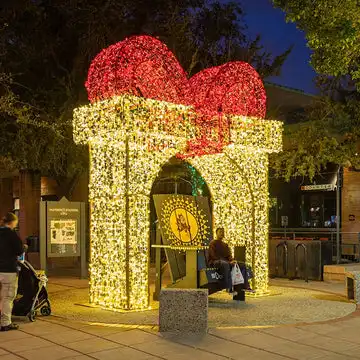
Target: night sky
{"points": [[277, 35]]}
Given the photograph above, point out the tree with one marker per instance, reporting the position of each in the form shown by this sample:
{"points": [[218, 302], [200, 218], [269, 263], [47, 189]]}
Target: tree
{"points": [[46, 48], [332, 29], [328, 132]]}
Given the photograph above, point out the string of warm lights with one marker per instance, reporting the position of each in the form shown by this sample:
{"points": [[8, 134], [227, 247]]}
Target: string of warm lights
{"points": [[139, 65], [149, 123], [138, 116], [135, 125], [109, 222], [232, 88], [182, 248], [234, 199], [231, 200]]}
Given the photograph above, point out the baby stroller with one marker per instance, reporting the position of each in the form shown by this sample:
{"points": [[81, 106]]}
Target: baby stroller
{"points": [[32, 294]]}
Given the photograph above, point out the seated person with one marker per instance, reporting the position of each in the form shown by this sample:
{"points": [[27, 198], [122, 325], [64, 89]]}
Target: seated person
{"points": [[220, 257]]}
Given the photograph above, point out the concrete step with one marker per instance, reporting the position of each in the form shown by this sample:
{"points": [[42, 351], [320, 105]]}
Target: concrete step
{"points": [[336, 273]]}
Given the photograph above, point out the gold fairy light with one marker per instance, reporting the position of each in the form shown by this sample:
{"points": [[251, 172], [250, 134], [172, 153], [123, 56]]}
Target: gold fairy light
{"points": [[130, 139]]}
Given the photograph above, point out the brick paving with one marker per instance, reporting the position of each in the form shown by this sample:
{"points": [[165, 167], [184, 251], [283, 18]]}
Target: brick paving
{"points": [[54, 338]]}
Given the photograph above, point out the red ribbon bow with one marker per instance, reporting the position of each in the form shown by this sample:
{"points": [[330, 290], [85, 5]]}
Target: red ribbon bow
{"points": [[144, 66]]}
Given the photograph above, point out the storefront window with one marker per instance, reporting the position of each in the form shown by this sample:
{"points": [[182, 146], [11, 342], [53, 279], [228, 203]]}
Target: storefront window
{"points": [[318, 210], [330, 210]]}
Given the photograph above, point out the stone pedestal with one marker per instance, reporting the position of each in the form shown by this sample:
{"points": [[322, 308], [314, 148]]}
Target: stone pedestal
{"points": [[183, 311], [353, 286]]}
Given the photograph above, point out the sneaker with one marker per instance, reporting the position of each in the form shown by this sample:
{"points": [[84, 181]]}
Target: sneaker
{"points": [[9, 327]]}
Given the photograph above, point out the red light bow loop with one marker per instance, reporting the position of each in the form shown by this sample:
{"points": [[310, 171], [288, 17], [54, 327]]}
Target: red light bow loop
{"points": [[144, 66]]}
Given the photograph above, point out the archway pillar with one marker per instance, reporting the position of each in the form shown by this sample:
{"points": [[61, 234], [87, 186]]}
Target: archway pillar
{"points": [[238, 181], [121, 177]]}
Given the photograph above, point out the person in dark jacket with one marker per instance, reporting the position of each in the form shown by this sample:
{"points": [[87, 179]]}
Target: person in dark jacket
{"points": [[11, 247], [220, 257]]}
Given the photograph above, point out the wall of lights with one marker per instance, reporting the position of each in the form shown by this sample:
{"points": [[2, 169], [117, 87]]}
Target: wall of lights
{"points": [[240, 194], [120, 232], [133, 130]]}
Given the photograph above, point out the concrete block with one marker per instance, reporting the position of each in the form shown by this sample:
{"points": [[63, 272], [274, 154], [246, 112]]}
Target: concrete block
{"points": [[328, 277], [183, 311], [353, 286], [334, 269]]}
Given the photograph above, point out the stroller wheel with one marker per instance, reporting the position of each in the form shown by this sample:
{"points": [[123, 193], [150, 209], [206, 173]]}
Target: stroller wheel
{"points": [[45, 311], [32, 315]]}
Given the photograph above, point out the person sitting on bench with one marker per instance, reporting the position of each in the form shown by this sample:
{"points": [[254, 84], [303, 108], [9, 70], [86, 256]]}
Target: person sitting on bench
{"points": [[220, 257]]}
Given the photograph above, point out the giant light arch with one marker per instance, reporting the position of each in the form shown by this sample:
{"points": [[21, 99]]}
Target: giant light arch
{"points": [[143, 111]]}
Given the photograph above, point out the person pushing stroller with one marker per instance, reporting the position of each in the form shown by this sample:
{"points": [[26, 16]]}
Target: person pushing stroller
{"points": [[11, 247]]}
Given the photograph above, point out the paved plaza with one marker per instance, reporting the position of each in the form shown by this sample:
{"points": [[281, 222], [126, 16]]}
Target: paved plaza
{"points": [[289, 302], [58, 337], [54, 339]]}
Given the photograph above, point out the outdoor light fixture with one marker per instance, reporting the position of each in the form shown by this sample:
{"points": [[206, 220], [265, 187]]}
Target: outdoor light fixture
{"points": [[144, 111]]}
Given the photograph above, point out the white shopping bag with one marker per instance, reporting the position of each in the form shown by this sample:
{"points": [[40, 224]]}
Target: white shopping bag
{"points": [[236, 275]]}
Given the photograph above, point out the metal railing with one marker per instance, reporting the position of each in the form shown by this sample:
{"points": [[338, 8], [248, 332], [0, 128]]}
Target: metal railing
{"points": [[281, 246], [349, 241], [301, 246]]}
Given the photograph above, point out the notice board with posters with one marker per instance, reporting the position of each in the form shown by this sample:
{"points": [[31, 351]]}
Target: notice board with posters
{"points": [[62, 230]]}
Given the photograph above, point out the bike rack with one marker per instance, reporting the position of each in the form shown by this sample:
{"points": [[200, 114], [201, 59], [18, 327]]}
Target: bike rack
{"points": [[285, 258], [303, 246]]}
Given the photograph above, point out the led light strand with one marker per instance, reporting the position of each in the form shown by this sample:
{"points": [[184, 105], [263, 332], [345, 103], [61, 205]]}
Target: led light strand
{"points": [[136, 123]]}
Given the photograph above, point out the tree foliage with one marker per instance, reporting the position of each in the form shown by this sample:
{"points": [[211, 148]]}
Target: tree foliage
{"points": [[46, 48], [329, 132], [332, 29]]}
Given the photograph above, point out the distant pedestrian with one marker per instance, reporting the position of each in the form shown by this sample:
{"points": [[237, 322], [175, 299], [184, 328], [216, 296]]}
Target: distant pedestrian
{"points": [[11, 247]]}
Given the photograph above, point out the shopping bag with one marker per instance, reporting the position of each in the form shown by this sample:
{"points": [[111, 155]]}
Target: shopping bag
{"points": [[236, 275], [249, 272]]}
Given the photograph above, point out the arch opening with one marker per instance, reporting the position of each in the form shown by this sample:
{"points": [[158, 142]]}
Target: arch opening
{"points": [[232, 207]]}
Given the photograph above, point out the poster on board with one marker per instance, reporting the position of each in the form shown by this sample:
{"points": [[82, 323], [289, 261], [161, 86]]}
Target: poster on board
{"points": [[63, 221], [63, 232]]}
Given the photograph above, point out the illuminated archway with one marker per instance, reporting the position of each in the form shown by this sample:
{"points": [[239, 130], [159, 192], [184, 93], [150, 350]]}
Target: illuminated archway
{"points": [[131, 137]]}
